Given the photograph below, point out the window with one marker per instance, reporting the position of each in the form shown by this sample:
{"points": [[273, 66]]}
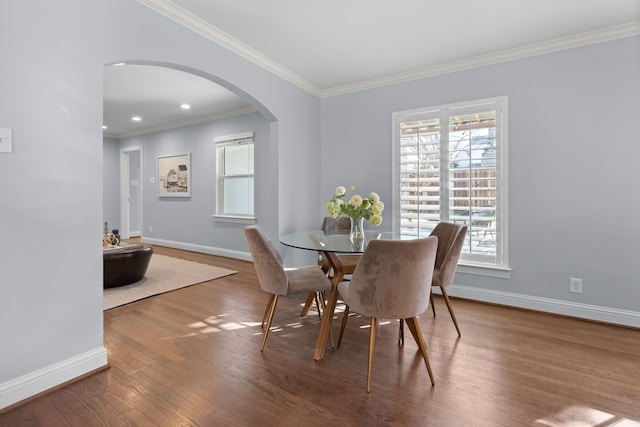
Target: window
{"points": [[235, 176], [450, 165]]}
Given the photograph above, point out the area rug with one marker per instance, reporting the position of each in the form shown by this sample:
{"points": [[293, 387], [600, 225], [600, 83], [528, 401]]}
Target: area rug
{"points": [[164, 274]]}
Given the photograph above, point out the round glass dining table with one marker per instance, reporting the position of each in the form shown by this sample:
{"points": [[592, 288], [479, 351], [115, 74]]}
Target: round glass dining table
{"points": [[335, 242], [330, 245]]}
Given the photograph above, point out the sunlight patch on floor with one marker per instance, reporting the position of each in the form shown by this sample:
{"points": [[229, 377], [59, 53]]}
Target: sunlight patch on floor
{"points": [[217, 323], [583, 416]]}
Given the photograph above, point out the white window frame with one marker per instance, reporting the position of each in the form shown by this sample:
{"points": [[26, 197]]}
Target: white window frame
{"points": [[221, 143], [497, 266]]}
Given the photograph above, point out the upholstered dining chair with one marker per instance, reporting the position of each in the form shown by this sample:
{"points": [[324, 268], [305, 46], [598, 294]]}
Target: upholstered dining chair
{"points": [[340, 225], [332, 225], [391, 281], [275, 279], [450, 241]]}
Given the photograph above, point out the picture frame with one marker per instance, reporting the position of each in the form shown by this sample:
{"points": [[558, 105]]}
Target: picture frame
{"points": [[174, 175]]}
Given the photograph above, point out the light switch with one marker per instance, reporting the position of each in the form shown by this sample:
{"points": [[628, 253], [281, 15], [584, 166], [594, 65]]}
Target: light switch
{"points": [[5, 141]]}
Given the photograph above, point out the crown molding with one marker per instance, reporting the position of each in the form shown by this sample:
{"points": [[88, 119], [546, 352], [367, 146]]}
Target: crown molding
{"points": [[181, 16], [197, 25], [570, 42]]}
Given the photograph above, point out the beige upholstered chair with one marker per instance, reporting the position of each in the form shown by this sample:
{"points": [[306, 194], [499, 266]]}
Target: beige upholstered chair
{"points": [[450, 241], [275, 279], [392, 281], [341, 225], [331, 225]]}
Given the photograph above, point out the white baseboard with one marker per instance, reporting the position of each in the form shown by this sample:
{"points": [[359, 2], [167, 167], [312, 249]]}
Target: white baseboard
{"points": [[246, 256], [21, 388], [547, 305]]}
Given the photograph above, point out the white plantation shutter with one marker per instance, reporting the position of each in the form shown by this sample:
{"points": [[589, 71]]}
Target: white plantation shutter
{"points": [[451, 166]]}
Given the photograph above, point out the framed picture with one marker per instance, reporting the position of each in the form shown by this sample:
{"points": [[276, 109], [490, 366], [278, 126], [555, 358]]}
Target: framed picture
{"points": [[174, 175]]}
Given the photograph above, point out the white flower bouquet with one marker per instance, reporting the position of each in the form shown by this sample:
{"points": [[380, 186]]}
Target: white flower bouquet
{"points": [[356, 207]]}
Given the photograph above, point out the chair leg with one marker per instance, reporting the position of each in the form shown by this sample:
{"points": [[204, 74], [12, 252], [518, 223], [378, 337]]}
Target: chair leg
{"points": [[307, 304], [318, 306], [453, 316], [345, 316], [372, 345], [414, 327], [401, 333], [433, 307], [266, 310], [272, 309]]}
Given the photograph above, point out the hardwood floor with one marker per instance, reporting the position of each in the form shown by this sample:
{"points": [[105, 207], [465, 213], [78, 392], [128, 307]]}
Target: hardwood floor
{"points": [[191, 358]]}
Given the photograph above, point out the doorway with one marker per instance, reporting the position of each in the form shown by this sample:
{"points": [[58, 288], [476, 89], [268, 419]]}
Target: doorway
{"points": [[130, 192]]}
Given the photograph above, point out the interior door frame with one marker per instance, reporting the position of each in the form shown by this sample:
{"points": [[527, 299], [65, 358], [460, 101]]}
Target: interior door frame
{"points": [[125, 182]]}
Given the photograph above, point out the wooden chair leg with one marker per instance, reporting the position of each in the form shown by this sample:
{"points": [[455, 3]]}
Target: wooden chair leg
{"points": [[307, 305], [272, 310], [372, 345], [453, 316], [318, 306], [343, 324], [401, 333], [414, 327], [433, 307], [266, 310]]}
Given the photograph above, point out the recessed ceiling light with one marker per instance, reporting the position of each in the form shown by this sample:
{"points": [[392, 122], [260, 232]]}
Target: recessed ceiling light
{"points": [[185, 106], [104, 127], [136, 118]]}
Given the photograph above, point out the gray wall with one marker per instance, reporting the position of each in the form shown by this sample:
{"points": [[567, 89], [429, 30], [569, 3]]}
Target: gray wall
{"points": [[51, 213], [573, 153], [188, 222], [51, 299], [111, 183]]}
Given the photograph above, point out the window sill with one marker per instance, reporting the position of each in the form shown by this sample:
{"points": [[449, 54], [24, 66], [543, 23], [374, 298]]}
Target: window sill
{"points": [[484, 270], [235, 219]]}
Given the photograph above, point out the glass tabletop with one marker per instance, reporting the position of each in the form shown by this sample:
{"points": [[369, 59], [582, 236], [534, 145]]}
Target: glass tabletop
{"points": [[318, 240]]}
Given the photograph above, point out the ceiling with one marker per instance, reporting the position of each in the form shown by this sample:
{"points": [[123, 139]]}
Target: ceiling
{"points": [[334, 46]]}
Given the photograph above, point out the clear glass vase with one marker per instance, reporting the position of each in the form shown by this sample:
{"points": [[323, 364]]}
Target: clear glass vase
{"points": [[356, 234]]}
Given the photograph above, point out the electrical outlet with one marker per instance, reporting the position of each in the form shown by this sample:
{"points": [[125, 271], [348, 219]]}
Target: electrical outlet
{"points": [[150, 229], [575, 285]]}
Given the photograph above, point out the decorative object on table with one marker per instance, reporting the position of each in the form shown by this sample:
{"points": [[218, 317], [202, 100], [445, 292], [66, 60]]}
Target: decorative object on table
{"points": [[109, 239], [357, 209], [116, 234], [174, 175]]}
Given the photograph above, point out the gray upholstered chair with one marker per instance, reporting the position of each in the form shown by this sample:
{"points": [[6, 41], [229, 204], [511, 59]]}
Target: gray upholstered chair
{"points": [[275, 279], [450, 241], [391, 281]]}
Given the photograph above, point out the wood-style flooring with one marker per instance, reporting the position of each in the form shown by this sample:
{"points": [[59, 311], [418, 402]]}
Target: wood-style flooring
{"points": [[191, 358]]}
